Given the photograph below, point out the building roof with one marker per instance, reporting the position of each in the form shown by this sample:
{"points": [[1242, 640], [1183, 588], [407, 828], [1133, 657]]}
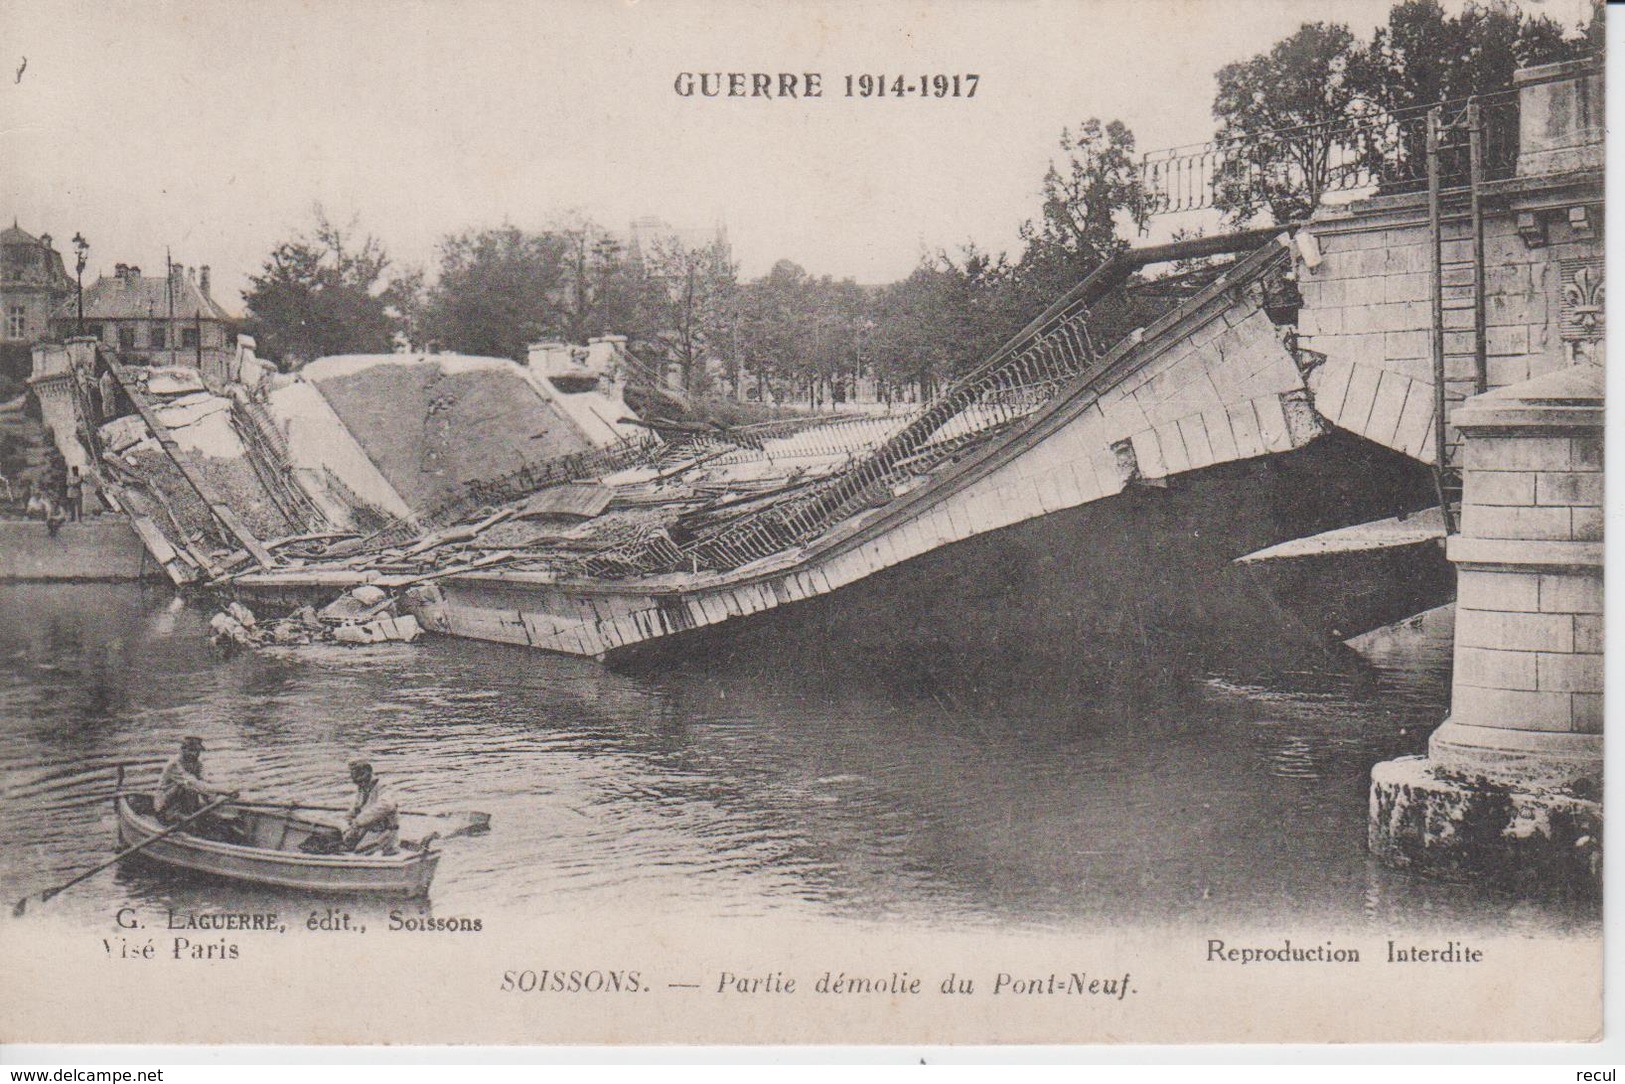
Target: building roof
{"points": [[21, 270], [130, 297], [14, 236]]}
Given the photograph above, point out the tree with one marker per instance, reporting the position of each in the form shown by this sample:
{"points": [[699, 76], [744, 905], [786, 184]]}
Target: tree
{"points": [[499, 290], [1423, 57], [1085, 205], [946, 318], [1281, 119], [604, 293], [323, 293], [1321, 107], [694, 300]]}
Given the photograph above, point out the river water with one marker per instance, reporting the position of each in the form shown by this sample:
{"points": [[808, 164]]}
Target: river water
{"points": [[1157, 802]]}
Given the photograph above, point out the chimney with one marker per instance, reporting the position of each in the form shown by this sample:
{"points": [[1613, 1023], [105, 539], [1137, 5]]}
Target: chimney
{"points": [[177, 273], [203, 279]]}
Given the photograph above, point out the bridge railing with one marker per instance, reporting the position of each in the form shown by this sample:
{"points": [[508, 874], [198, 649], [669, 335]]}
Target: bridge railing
{"points": [[1047, 357], [1372, 150]]}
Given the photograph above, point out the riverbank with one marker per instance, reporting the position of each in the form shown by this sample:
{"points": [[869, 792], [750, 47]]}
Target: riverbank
{"points": [[99, 548]]}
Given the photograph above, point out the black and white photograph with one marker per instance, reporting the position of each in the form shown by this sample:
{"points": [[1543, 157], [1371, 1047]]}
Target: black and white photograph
{"points": [[801, 523]]}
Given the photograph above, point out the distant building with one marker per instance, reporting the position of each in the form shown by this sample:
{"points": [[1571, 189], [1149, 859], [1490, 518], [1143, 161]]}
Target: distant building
{"points": [[33, 283], [644, 233], [151, 320]]}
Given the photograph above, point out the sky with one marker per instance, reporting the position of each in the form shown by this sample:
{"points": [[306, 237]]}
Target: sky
{"points": [[214, 127]]}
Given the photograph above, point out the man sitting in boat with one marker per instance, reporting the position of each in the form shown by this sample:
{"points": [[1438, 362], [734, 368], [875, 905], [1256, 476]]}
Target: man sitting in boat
{"points": [[372, 826], [182, 791]]}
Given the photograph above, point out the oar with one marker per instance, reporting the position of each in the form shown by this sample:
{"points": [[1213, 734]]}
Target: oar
{"points": [[22, 904], [473, 821]]}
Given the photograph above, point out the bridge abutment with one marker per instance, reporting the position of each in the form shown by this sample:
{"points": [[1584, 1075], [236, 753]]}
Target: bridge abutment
{"points": [[1511, 787]]}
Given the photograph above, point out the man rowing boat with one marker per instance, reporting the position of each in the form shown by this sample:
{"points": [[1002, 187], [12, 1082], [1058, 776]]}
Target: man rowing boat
{"points": [[182, 791], [373, 826]]}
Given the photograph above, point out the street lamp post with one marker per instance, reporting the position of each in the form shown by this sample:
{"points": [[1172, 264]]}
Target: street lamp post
{"points": [[81, 248]]}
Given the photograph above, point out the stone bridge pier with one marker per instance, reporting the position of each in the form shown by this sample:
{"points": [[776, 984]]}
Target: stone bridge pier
{"points": [[1511, 787]]}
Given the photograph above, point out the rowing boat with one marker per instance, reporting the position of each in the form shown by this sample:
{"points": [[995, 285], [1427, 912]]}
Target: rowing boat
{"points": [[273, 856]]}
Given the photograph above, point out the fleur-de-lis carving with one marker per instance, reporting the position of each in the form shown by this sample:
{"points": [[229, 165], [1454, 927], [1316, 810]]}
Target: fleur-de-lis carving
{"points": [[1584, 298]]}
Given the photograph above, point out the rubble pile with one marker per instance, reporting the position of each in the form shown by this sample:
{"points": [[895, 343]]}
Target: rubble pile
{"points": [[365, 615]]}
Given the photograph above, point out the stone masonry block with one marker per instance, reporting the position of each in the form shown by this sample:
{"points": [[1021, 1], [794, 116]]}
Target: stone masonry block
{"points": [[1510, 370], [1586, 709], [1416, 423], [1587, 633], [1585, 453], [1501, 487], [1406, 344], [1514, 631], [1500, 592], [1406, 288], [1408, 259], [1371, 263], [1459, 342], [1548, 361], [1329, 293], [1505, 310], [1585, 524], [1518, 453], [1456, 276], [1512, 709], [1507, 281], [1363, 292], [1367, 349], [1505, 341], [1219, 435], [1570, 594], [1419, 370], [1193, 433], [1484, 668], [1568, 487], [1364, 319], [1491, 521], [1244, 427], [1406, 315], [1148, 453], [1569, 673], [1362, 392], [1392, 390]]}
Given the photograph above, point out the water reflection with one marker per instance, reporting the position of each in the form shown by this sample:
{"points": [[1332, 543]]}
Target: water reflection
{"points": [[1197, 798]]}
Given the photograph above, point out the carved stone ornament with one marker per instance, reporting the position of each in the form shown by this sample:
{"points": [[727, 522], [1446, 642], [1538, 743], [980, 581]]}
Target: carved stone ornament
{"points": [[1583, 301]]}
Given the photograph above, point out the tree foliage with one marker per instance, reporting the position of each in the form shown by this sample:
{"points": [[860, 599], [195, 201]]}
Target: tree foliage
{"points": [[692, 306], [498, 291], [1280, 115], [1321, 103], [321, 293], [1088, 202]]}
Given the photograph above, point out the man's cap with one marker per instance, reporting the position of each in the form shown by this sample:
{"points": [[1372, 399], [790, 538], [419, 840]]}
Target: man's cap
{"points": [[192, 743], [359, 766]]}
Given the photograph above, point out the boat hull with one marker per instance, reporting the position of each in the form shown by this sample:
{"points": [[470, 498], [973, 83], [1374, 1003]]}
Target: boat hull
{"points": [[406, 875]]}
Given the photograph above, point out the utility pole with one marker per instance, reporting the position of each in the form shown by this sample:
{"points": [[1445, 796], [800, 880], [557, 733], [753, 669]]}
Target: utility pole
{"points": [[169, 292]]}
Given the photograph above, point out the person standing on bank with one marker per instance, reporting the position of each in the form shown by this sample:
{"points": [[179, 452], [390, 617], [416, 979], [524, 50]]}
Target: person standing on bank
{"points": [[74, 491], [182, 791], [372, 826]]}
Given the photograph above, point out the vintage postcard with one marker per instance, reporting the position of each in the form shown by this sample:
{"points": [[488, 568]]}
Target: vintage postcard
{"points": [[831, 522]]}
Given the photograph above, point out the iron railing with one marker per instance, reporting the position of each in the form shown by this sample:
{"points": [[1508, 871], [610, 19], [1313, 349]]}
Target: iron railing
{"points": [[1374, 150], [1048, 356]]}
